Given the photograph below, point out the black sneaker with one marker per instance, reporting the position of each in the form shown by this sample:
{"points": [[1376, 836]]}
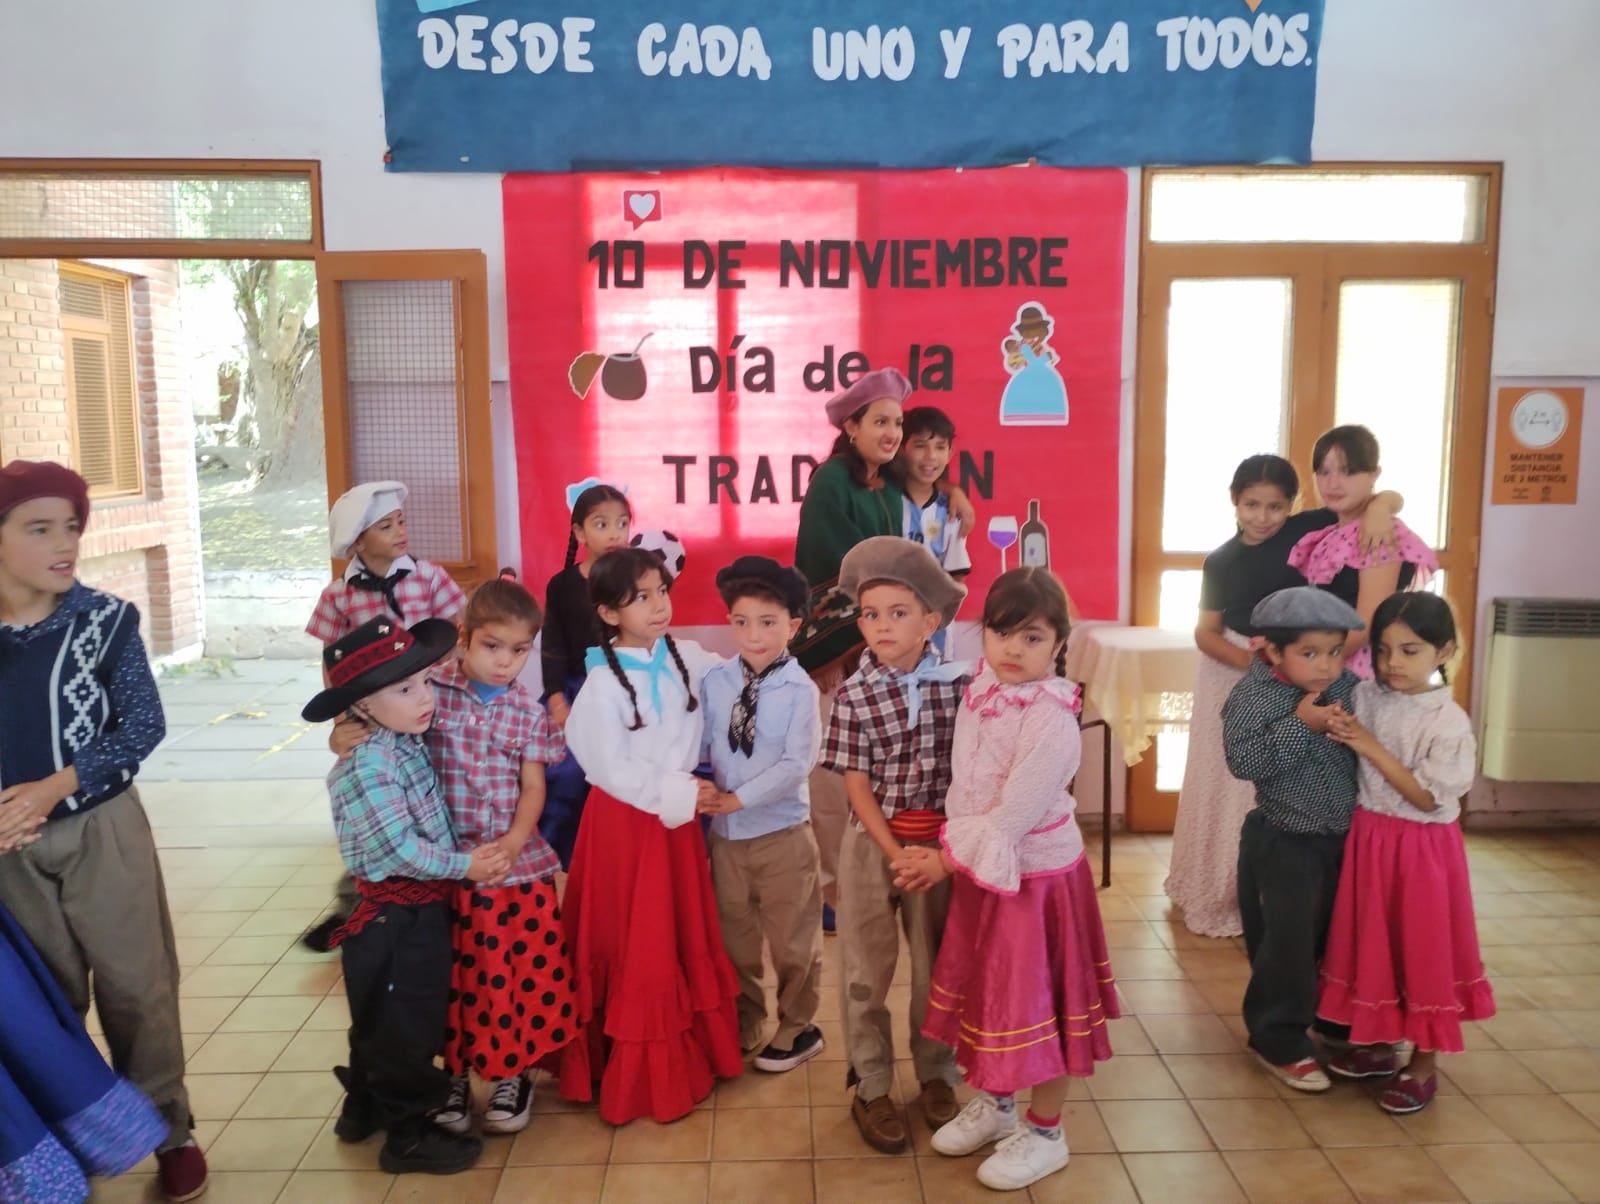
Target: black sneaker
{"points": [[806, 1046], [510, 1106], [358, 1120], [421, 1147]]}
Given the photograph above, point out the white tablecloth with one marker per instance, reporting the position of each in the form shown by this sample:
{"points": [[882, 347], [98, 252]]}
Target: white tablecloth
{"points": [[1139, 679]]}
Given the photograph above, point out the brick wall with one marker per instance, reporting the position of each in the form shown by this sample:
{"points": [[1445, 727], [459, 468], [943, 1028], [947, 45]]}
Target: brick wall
{"points": [[145, 549]]}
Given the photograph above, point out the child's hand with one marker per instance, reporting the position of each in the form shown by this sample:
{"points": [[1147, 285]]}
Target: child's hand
{"points": [[349, 734], [1377, 530], [23, 810], [705, 792], [720, 803], [918, 869], [961, 509], [511, 845], [489, 864], [559, 710], [1317, 718], [1350, 731]]}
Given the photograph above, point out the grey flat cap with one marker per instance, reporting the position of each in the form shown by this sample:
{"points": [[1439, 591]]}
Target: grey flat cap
{"points": [[1305, 608]]}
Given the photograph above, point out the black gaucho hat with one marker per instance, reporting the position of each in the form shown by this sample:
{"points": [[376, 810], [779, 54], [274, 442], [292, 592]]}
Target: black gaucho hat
{"points": [[788, 583], [378, 653]]}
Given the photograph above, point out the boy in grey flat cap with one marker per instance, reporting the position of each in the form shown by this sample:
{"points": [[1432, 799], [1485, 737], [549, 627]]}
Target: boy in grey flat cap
{"points": [[890, 735], [1275, 734]]}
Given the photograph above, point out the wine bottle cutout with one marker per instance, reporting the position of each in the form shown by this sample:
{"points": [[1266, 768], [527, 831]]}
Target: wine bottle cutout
{"points": [[1035, 539]]}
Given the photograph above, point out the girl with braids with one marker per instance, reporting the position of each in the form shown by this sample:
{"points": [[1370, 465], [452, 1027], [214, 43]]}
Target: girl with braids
{"points": [[656, 990], [1022, 988], [601, 520]]}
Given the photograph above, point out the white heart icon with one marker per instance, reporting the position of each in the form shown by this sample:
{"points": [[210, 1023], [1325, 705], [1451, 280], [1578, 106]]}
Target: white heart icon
{"points": [[643, 204]]}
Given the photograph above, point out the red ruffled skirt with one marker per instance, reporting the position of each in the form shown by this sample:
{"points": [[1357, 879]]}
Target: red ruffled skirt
{"points": [[656, 991], [1402, 960], [512, 1000], [1023, 986]]}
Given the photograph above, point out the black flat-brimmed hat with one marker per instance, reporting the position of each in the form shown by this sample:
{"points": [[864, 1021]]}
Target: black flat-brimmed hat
{"points": [[378, 653], [789, 584]]}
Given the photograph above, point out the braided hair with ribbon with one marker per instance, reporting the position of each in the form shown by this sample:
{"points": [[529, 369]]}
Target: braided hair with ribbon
{"points": [[614, 582]]}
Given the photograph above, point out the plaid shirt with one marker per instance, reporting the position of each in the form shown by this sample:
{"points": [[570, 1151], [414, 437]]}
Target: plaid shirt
{"points": [[478, 750], [388, 814], [427, 593], [1305, 782], [907, 767]]}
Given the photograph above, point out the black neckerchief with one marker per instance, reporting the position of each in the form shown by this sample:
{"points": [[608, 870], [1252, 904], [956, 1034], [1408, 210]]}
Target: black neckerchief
{"points": [[742, 724], [368, 580]]}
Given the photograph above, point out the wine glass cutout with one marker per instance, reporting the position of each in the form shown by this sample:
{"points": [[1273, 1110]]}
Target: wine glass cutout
{"points": [[1002, 534]]}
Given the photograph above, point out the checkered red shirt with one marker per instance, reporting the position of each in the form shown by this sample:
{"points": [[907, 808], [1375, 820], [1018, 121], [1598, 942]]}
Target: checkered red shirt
{"points": [[427, 593], [907, 767], [477, 750]]}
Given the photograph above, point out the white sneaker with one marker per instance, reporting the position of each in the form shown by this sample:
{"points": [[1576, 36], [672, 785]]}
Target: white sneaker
{"points": [[1022, 1159], [456, 1115], [974, 1127], [510, 1106]]}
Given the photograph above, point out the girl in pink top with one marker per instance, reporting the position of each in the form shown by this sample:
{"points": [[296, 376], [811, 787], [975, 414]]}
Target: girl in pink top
{"points": [[1022, 988]]}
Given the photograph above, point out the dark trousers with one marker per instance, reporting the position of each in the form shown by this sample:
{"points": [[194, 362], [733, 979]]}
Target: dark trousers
{"points": [[397, 978], [1287, 883]]}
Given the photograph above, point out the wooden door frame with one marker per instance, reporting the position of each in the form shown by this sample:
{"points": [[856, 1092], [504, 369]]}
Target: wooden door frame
{"points": [[1317, 269], [468, 272]]}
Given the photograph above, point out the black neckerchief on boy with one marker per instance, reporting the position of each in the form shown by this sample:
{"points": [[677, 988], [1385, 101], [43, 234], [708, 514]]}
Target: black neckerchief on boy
{"points": [[742, 724], [368, 580]]}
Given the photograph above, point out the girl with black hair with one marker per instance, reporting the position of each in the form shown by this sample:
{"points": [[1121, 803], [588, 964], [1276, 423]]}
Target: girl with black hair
{"points": [[601, 521], [1403, 963], [1203, 881], [655, 987]]}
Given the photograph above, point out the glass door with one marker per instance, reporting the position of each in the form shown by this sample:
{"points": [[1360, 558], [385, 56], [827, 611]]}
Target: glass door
{"points": [[1409, 359], [1223, 353]]}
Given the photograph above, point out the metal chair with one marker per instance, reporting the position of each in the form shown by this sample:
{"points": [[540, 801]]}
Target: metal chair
{"points": [[1105, 795]]}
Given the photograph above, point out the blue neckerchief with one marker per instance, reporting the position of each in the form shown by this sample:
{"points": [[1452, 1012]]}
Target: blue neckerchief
{"points": [[485, 692], [929, 668], [657, 666]]}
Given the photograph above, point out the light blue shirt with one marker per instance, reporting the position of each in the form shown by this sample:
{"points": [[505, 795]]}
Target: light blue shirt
{"points": [[773, 781]]}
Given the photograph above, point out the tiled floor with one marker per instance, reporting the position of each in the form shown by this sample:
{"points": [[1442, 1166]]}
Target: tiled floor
{"points": [[1181, 1113]]}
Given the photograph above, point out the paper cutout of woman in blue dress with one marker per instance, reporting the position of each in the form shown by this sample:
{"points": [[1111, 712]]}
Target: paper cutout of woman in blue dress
{"points": [[1036, 395]]}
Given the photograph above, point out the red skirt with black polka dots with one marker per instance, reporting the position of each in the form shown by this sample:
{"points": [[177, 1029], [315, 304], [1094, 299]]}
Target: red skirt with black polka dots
{"points": [[511, 992]]}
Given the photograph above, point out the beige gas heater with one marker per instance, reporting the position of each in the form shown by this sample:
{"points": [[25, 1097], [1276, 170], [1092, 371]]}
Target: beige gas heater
{"points": [[1541, 702]]}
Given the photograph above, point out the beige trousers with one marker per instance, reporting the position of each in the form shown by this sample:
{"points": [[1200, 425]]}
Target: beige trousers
{"points": [[89, 894], [769, 889], [830, 806], [869, 949]]}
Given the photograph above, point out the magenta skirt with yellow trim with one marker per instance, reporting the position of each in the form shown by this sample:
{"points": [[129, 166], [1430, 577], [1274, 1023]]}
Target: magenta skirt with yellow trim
{"points": [[1023, 986]]}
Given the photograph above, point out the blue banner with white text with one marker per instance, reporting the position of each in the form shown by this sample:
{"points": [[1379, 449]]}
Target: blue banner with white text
{"points": [[518, 86]]}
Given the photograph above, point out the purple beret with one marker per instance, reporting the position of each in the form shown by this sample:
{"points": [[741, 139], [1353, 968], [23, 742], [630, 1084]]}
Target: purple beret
{"points": [[890, 383], [28, 480]]}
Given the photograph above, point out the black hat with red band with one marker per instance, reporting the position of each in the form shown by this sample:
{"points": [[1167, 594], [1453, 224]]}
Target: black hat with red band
{"points": [[378, 653]]}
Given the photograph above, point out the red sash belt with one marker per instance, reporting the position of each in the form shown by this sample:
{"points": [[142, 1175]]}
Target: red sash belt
{"points": [[919, 827], [407, 892]]}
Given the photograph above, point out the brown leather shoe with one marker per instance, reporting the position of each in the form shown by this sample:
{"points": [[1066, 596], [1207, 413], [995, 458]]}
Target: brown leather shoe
{"points": [[939, 1103], [880, 1124]]}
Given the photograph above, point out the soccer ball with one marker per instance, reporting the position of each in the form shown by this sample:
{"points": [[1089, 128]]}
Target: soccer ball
{"points": [[665, 544]]}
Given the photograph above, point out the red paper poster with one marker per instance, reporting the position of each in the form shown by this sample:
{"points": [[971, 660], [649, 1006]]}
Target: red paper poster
{"points": [[679, 334]]}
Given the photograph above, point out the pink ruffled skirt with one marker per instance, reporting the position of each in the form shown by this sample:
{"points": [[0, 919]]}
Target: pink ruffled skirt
{"points": [[1023, 988], [1402, 960]]}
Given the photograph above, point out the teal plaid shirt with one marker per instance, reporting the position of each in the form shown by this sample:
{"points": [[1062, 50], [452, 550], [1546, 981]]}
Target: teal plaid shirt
{"points": [[388, 814]]}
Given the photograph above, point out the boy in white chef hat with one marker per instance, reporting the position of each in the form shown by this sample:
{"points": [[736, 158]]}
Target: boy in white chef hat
{"points": [[368, 525]]}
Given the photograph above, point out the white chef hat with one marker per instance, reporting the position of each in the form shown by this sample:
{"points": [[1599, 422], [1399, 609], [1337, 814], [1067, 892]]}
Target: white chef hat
{"points": [[358, 509]]}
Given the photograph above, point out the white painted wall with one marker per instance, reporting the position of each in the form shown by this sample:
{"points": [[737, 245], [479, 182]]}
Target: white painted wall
{"points": [[1477, 80]]}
